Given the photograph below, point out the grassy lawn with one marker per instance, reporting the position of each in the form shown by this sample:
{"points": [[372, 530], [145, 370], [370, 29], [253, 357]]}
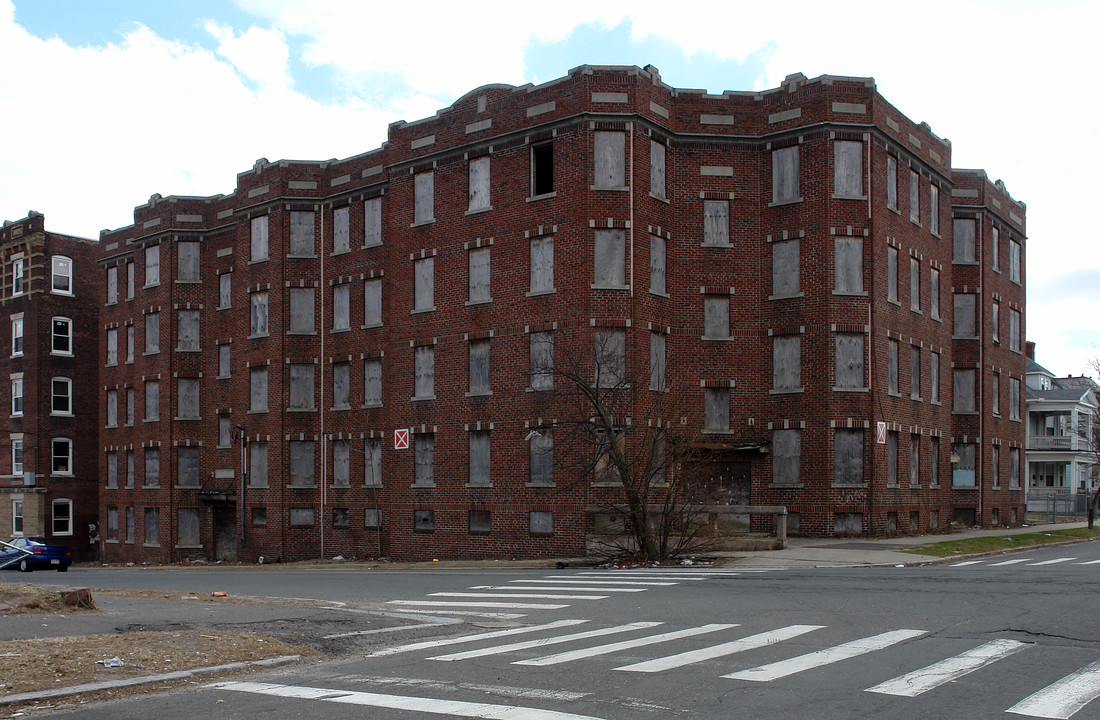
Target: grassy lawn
{"points": [[995, 543]]}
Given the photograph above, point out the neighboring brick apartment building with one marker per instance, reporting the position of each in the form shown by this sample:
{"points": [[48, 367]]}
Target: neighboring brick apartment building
{"points": [[797, 265], [49, 450]]}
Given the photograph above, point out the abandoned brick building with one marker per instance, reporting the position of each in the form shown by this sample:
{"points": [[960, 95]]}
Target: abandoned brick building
{"points": [[837, 309]]}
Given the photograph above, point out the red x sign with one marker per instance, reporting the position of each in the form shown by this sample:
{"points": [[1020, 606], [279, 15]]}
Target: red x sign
{"points": [[401, 439], [881, 433]]}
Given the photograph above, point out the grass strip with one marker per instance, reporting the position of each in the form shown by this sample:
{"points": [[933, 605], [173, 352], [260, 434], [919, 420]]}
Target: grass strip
{"points": [[998, 543]]}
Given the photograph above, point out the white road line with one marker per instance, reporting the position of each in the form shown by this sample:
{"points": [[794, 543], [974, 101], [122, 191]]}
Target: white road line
{"points": [[949, 670], [500, 690], [517, 596], [594, 581], [965, 563], [559, 588], [1055, 561], [469, 613], [512, 647], [1090, 562], [624, 645], [716, 651], [636, 579], [783, 668], [1063, 698], [377, 631], [454, 708], [476, 636], [500, 605], [1015, 561]]}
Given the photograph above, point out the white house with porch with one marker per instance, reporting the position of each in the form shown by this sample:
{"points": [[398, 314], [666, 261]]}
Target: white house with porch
{"points": [[1061, 457]]}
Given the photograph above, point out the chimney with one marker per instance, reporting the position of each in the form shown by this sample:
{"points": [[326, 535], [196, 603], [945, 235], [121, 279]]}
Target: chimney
{"points": [[1029, 349]]}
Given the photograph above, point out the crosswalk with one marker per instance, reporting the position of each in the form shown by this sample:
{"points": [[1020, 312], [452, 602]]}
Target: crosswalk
{"points": [[580, 639], [558, 592], [1024, 562]]}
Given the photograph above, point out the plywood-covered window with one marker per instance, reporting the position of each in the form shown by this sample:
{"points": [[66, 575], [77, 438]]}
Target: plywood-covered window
{"points": [[187, 398], [372, 302], [656, 169], [187, 466], [934, 209], [914, 372], [657, 264], [341, 307], [259, 240], [341, 385], [1015, 252], [848, 264], [542, 360], [258, 313], [610, 355], [341, 230], [965, 313], [1013, 398], [716, 409], [963, 474], [964, 234], [424, 370], [716, 222], [995, 322], [914, 460], [849, 361], [188, 520], [424, 284], [257, 463], [934, 377], [302, 465], [542, 458], [372, 462], [301, 311], [152, 400], [786, 457], [848, 456], [257, 392], [424, 459], [341, 463], [848, 168], [112, 408], [480, 461], [657, 361], [187, 330], [302, 388], [372, 222], [479, 367], [1014, 320], [542, 264], [479, 184], [224, 360], [892, 458], [914, 284], [225, 290], [152, 467], [914, 196], [963, 391], [112, 283], [787, 362], [188, 262], [610, 160], [479, 275], [152, 265], [112, 347], [892, 273], [423, 197], [995, 248], [610, 258], [372, 382], [892, 366], [716, 316], [786, 273], [785, 175], [995, 393], [934, 294], [891, 182]]}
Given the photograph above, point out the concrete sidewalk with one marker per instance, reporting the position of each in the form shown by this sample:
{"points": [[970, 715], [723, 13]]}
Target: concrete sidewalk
{"points": [[849, 552]]}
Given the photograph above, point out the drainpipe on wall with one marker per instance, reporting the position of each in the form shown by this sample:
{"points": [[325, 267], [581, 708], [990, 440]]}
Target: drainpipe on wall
{"points": [[981, 367], [321, 383]]}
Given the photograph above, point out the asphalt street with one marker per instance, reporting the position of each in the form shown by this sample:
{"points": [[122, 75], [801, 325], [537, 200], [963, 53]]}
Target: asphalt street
{"points": [[1004, 636]]}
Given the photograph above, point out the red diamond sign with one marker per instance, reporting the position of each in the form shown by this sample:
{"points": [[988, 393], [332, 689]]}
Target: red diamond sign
{"points": [[401, 439]]}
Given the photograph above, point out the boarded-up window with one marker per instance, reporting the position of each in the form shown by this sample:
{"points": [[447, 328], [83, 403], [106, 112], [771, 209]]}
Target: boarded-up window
{"points": [[301, 311], [372, 382], [934, 209], [188, 330], [187, 466], [424, 450], [479, 367], [372, 463], [479, 184], [424, 284], [1014, 468], [963, 475], [848, 168], [479, 275], [258, 323], [914, 284], [934, 294], [610, 258], [914, 372], [604, 469], [1014, 330], [152, 467], [914, 460], [610, 354], [152, 400], [934, 377], [785, 175], [112, 469], [657, 361], [716, 316], [716, 222], [425, 371], [259, 238], [372, 303], [964, 234], [892, 366], [112, 283], [341, 385], [187, 391], [849, 360], [424, 199], [848, 264], [787, 362], [301, 387], [301, 517], [424, 520], [112, 346], [656, 169], [891, 182], [1014, 258], [341, 517], [257, 463], [341, 463], [848, 456], [224, 360], [372, 518], [341, 310], [892, 458], [657, 264], [372, 222], [542, 360], [1014, 398], [152, 333], [995, 249], [965, 326], [301, 462], [479, 458], [610, 160], [129, 406], [188, 262], [541, 522], [225, 290], [257, 393], [995, 393], [152, 265], [963, 391], [785, 268], [786, 456], [189, 527], [341, 230], [542, 264], [995, 322], [892, 273], [225, 430], [716, 409], [914, 196], [542, 458], [152, 526]]}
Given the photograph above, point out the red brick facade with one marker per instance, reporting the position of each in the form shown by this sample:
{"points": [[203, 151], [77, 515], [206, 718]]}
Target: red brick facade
{"points": [[762, 193]]}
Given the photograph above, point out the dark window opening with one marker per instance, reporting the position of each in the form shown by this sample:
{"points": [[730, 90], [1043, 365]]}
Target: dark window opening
{"points": [[542, 169]]}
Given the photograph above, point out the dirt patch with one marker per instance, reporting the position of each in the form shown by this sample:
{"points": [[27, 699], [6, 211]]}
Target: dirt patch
{"points": [[21, 599]]}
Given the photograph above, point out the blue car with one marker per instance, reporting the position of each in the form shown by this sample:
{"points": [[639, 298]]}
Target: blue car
{"points": [[32, 553]]}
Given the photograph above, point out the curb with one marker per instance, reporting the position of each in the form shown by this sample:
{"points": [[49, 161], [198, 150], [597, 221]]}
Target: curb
{"points": [[143, 680], [1007, 551]]}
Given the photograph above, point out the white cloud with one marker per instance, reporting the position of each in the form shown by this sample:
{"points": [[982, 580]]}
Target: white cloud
{"points": [[259, 54]]}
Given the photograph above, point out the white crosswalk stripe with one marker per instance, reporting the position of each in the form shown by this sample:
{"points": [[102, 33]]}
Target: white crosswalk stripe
{"points": [[568, 579], [945, 671], [716, 651], [517, 596], [514, 647], [1055, 561], [431, 644], [1063, 698], [965, 563], [638, 579], [1090, 562], [1015, 561], [502, 605], [783, 668], [572, 655], [560, 588]]}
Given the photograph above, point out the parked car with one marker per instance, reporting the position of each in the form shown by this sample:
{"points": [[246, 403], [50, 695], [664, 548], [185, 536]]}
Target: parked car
{"points": [[41, 556]]}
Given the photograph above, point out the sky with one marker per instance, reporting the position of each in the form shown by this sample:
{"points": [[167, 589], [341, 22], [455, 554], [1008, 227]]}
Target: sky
{"points": [[107, 102]]}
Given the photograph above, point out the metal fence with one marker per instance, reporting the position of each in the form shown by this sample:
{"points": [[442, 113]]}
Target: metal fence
{"points": [[1054, 508]]}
